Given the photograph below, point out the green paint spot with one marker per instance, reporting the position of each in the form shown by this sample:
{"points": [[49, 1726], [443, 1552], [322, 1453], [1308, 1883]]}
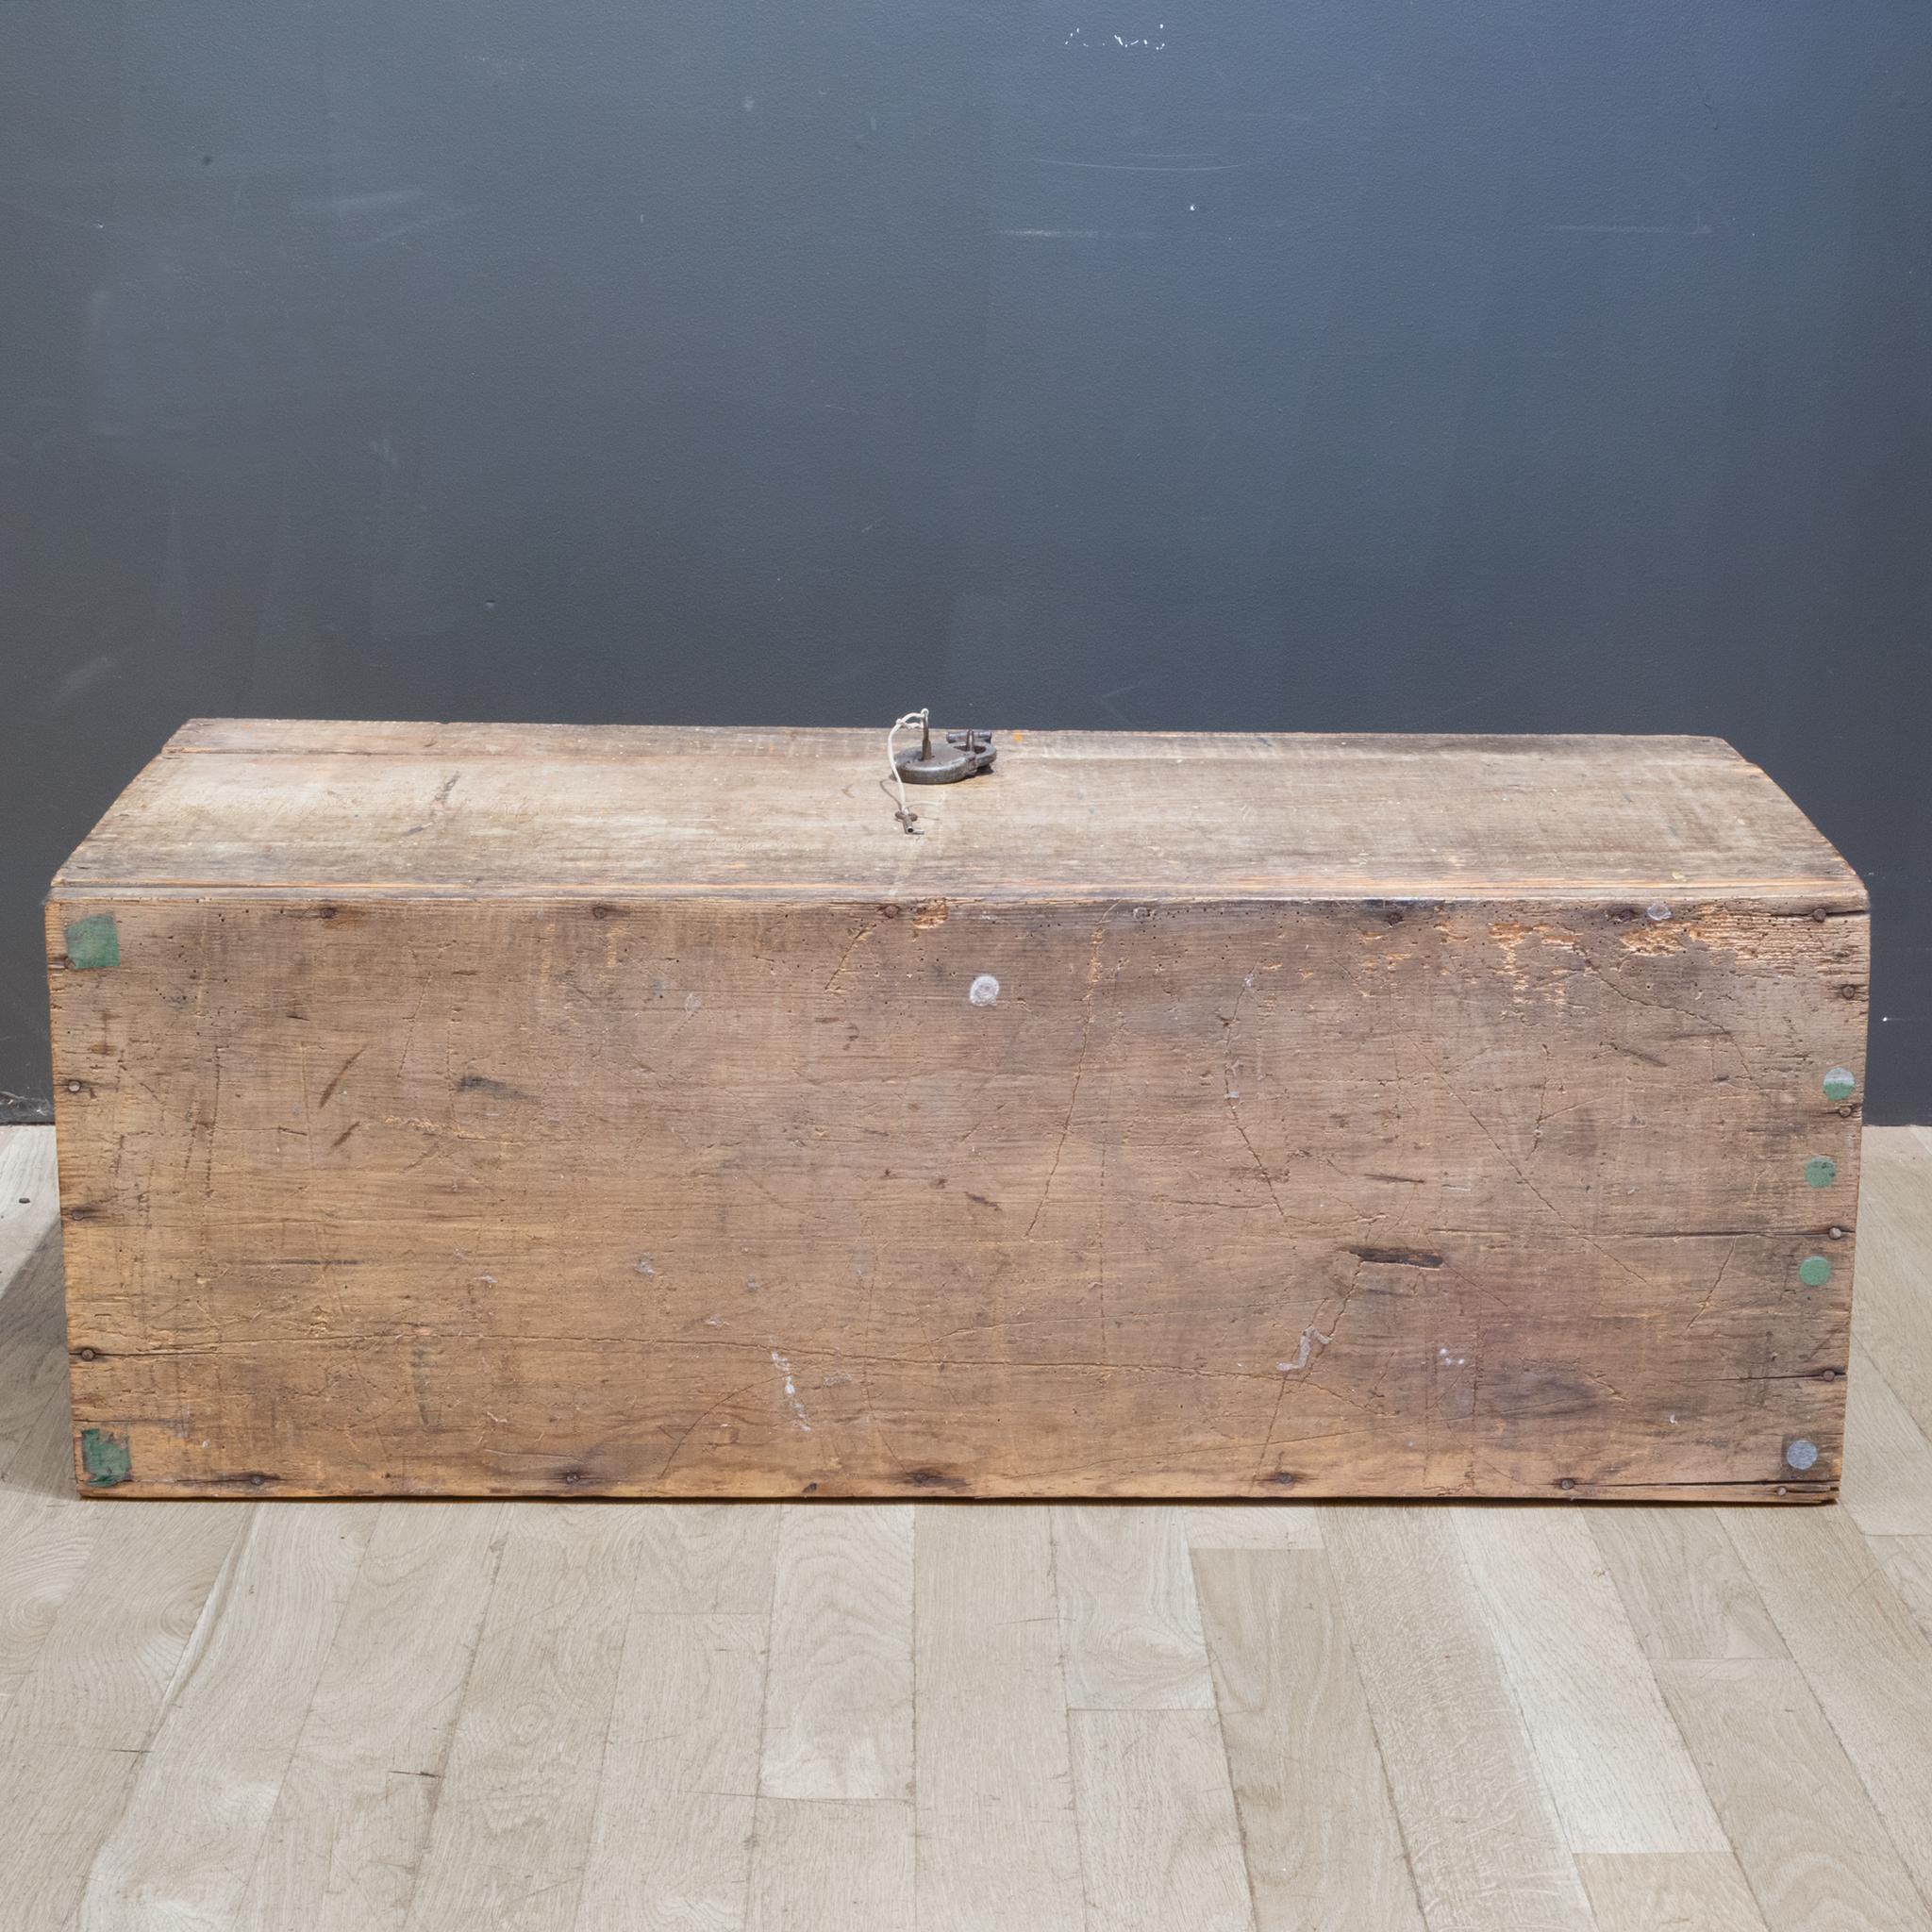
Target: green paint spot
{"points": [[1821, 1170], [1841, 1084], [104, 1458], [1814, 1271], [93, 942]]}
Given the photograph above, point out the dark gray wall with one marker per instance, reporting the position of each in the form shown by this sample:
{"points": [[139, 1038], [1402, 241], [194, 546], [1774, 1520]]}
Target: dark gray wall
{"points": [[1503, 365]]}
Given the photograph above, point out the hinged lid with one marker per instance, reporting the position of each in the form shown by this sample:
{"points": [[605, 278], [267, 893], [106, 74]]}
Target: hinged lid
{"points": [[339, 808]]}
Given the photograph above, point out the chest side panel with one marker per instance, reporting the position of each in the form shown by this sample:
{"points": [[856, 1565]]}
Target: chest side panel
{"points": [[697, 1197]]}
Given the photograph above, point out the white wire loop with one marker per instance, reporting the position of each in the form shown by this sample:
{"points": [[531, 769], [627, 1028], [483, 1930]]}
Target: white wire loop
{"points": [[905, 815]]}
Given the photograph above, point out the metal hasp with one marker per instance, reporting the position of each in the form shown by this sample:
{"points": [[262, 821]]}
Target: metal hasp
{"points": [[974, 753]]}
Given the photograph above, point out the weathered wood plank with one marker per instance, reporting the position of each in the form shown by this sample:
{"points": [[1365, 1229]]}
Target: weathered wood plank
{"points": [[1485, 1842], [1861, 1652], [29, 1205], [1895, 1318], [33, 1340], [702, 1559], [831, 1865], [1888, 1486], [1319, 1830], [1669, 1891], [1611, 1755], [998, 1843], [1159, 1839], [1130, 1628], [104, 1646], [501, 1204], [665, 1122], [199, 1808], [511, 1832], [535, 807], [74, 1736], [1253, 1526], [1687, 1595], [45, 1539], [672, 1842], [1803, 1828], [838, 1709], [1907, 1561], [353, 1815], [671, 1845]]}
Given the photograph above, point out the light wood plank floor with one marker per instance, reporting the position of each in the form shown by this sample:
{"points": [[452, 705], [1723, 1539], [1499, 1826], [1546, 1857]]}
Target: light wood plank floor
{"points": [[962, 1717]]}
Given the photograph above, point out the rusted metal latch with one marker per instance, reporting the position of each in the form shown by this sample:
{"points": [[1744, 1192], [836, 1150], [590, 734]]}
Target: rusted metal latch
{"points": [[973, 753]]}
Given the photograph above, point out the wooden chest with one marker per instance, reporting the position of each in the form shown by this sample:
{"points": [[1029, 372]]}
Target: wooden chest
{"points": [[483, 1110]]}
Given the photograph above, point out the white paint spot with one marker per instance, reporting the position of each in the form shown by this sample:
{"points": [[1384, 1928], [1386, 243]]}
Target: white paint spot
{"points": [[691, 1003], [714, 1321], [792, 1401], [1656, 910], [1312, 1338], [644, 1265], [984, 990], [489, 1279]]}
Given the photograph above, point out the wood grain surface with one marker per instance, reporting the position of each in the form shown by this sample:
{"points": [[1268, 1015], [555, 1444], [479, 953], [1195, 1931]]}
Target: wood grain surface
{"points": [[549, 810], [1120, 1136], [539, 1716]]}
